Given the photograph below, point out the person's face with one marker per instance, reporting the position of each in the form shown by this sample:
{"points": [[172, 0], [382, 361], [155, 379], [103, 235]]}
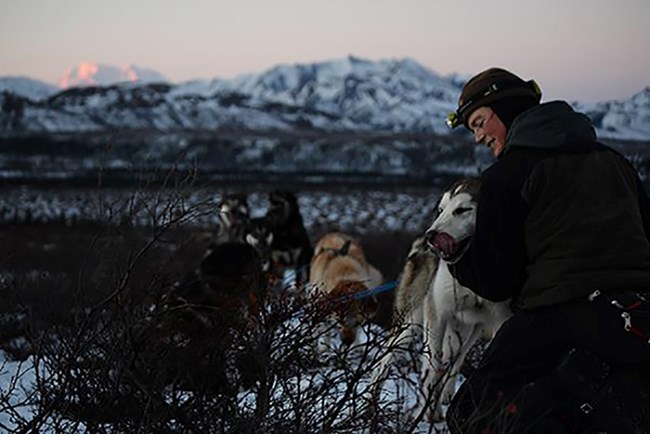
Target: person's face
{"points": [[488, 129]]}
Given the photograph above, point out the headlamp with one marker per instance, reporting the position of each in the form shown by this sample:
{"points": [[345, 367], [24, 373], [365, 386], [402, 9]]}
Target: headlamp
{"points": [[453, 120]]}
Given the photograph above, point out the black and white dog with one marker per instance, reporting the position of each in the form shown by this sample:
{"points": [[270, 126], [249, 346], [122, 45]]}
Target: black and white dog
{"points": [[259, 235], [234, 216], [291, 245]]}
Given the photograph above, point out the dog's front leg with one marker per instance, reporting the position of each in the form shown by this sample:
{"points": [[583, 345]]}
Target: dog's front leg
{"points": [[458, 342], [433, 364], [401, 336]]}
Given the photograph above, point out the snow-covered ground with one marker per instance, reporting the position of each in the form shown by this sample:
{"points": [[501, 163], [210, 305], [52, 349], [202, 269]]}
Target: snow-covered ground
{"points": [[360, 211], [19, 404], [351, 210]]}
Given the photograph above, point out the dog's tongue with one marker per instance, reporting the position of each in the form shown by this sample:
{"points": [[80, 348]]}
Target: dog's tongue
{"points": [[445, 243]]}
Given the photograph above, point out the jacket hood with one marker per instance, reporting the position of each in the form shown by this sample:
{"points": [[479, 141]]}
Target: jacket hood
{"points": [[552, 125]]}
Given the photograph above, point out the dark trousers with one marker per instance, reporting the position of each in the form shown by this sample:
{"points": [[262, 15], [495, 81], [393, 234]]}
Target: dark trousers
{"points": [[570, 368]]}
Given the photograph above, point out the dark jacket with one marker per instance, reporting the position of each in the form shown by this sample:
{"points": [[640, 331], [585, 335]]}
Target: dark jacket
{"points": [[559, 216]]}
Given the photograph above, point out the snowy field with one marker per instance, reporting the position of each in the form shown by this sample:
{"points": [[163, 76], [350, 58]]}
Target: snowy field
{"points": [[398, 209], [19, 402], [358, 211]]}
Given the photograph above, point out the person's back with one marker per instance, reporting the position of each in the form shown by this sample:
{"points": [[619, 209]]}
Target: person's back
{"points": [[584, 226], [585, 230]]}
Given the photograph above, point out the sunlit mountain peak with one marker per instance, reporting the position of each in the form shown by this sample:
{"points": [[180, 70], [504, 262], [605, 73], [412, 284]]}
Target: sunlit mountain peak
{"points": [[97, 74]]}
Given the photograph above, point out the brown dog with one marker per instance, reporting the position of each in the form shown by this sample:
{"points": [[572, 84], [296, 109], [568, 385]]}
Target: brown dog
{"points": [[338, 271]]}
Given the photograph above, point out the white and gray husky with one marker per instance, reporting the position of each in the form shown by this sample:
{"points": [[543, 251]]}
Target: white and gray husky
{"points": [[430, 304]]}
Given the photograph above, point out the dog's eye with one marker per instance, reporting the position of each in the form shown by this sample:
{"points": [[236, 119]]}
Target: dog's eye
{"points": [[460, 211]]}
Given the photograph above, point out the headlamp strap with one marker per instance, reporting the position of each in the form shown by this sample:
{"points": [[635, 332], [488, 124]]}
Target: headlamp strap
{"points": [[499, 87]]}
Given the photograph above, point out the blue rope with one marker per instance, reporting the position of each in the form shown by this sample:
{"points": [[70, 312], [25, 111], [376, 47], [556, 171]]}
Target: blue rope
{"points": [[372, 291], [362, 294]]}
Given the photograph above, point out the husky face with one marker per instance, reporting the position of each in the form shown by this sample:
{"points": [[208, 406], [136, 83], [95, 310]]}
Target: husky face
{"points": [[233, 210], [259, 236], [450, 233], [283, 206]]}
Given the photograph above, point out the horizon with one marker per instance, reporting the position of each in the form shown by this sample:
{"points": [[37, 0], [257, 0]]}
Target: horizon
{"points": [[587, 51]]}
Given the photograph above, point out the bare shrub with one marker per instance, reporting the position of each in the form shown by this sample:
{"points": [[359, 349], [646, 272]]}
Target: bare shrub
{"points": [[125, 354]]}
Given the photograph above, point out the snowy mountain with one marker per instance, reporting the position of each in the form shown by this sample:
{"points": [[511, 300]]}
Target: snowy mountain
{"points": [[27, 87], [628, 119], [343, 95], [95, 74], [350, 94]]}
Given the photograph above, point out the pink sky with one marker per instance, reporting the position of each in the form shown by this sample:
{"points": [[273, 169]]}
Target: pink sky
{"points": [[586, 50]]}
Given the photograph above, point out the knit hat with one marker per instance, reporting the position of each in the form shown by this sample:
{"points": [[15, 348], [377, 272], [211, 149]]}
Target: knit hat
{"points": [[486, 88]]}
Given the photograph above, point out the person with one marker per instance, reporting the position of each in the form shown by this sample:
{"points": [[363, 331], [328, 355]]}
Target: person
{"points": [[562, 230]]}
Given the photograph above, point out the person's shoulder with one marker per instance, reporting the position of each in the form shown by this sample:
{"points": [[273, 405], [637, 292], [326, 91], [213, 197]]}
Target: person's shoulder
{"points": [[498, 173], [513, 167], [509, 161]]}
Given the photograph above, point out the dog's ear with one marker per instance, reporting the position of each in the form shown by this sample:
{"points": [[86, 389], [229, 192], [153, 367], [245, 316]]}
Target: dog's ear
{"points": [[345, 249]]}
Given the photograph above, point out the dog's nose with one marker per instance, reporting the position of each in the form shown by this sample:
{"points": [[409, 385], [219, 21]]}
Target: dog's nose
{"points": [[430, 237]]}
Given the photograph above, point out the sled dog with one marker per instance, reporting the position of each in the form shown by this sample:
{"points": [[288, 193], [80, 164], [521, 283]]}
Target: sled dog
{"points": [[291, 244], [430, 304], [338, 270], [233, 217]]}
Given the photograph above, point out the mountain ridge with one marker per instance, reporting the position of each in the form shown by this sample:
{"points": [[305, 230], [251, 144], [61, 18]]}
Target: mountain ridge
{"points": [[349, 94]]}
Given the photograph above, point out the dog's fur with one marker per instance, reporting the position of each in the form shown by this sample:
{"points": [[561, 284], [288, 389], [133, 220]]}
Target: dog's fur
{"points": [[258, 234], [203, 318], [291, 244], [229, 279], [234, 217], [339, 269], [431, 303]]}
